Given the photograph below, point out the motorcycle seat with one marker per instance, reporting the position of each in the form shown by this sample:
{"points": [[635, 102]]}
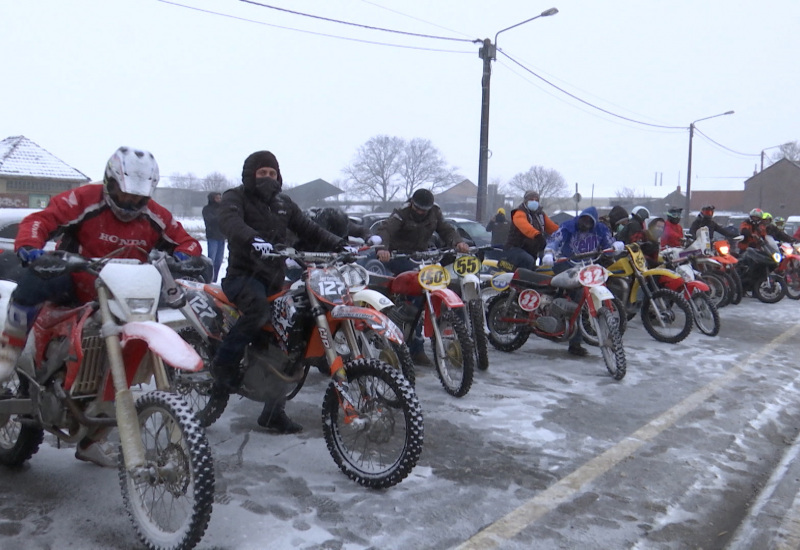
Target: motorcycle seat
{"points": [[531, 278]]}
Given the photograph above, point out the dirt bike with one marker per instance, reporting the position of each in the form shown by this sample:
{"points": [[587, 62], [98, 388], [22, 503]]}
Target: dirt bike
{"points": [[666, 315], [541, 304], [704, 312], [722, 254], [715, 266], [757, 268], [372, 420], [440, 310], [789, 268], [466, 282], [74, 379]]}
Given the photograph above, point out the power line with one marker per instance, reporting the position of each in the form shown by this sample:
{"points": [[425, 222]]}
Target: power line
{"points": [[726, 148], [411, 17], [350, 39], [368, 27], [573, 96]]}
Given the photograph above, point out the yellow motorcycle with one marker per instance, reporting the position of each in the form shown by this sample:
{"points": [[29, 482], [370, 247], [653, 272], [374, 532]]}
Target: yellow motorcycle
{"points": [[666, 315]]}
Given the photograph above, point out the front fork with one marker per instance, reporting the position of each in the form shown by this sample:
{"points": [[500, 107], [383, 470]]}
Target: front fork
{"points": [[127, 419], [430, 312]]}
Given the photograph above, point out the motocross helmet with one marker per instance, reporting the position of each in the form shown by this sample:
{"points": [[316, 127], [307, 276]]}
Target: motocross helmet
{"points": [[767, 217], [422, 199], [674, 214], [780, 222], [708, 211], [756, 215], [640, 212], [131, 176]]}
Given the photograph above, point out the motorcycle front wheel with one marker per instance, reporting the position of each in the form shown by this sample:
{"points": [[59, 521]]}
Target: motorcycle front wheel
{"points": [[770, 288], [507, 322], [197, 388], [587, 328], [792, 278], [456, 367], [705, 313], [377, 442], [17, 442], [719, 290], [609, 339], [377, 346], [667, 316], [169, 500]]}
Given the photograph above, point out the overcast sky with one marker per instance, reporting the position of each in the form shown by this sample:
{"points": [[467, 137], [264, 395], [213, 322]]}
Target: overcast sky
{"points": [[202, 91]]}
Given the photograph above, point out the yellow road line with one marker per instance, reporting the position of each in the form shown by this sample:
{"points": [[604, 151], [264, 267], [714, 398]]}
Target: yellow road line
{"points": [[511, 524]]}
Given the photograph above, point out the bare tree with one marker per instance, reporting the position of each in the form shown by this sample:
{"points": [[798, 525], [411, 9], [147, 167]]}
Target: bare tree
{"points": [[184, 181], [788, 151], [629, 194], [548, 182], [421, 164], [374, 171], [215, 182]]}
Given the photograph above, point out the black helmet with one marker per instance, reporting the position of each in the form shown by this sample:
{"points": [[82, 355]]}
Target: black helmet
{"points": [[334, 220], [674, 214], [708, 211], [422, 199]]}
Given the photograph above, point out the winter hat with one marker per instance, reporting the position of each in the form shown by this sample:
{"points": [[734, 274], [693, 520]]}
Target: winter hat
{"points": [[257, 160], [617, 214]]}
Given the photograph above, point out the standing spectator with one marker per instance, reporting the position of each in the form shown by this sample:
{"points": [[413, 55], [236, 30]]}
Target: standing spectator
{"points": [[214, 235], [529, 230], [499, 227]]}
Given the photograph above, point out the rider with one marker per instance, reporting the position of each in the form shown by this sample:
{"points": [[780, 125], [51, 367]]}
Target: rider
{"points": [[753, 230], [255, 216], [633, 231], [577, 236], [95, 220], [530, 227], [706, 219], [409, 229], [774, 231], [673, 232]]}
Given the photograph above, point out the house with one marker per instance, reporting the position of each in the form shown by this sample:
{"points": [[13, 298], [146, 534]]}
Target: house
{"points": [[459, 200], [775, 189], [30, 176], [312, 193]]}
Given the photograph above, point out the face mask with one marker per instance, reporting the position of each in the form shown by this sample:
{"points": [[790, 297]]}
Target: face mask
{"points": [[533, 205], [585, 225], [417, 217], [267, 187]]}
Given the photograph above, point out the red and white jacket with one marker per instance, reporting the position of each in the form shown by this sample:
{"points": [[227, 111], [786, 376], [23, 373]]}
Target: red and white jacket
{"points": [[90, 225]]}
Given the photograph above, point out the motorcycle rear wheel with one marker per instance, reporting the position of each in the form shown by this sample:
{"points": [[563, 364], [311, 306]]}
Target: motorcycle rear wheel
{"points": [[792, 278], [198, 388], [18, 443], [718, 288], [456, 368], [609, 338], [170, 500], [507, 322], [667, 316], [737, 291], [476, 315], [380, 446], [770, 288], [705, 313]]}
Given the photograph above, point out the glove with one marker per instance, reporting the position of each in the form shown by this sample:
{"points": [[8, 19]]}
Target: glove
{"points": [[350, 249], [547, 260], [181, 256], [262, 247], [291, 264], [27, 254], [619, 246], [374, 240]]}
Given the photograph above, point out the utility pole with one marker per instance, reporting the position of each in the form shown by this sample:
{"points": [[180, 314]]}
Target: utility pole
{"points": [[487, 53]]}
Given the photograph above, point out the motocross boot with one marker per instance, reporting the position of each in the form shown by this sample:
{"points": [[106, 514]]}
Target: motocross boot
{"points": [[274, 418]]}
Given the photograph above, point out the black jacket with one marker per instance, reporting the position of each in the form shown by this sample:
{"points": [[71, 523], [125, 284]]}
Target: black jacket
{"points": [[401, 232], [245, 213], [211, 219], [712, 225]]}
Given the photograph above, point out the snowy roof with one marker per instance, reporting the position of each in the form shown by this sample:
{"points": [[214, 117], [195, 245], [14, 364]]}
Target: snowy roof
{"points": [[19, 156]]}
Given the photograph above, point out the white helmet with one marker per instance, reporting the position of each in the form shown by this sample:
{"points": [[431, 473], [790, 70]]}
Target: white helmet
{"points": [[130, 173], [641, 212]]}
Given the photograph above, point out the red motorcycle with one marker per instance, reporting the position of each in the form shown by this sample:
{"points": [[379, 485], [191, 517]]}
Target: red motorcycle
{"points": [[790, 269], [704, 311]]}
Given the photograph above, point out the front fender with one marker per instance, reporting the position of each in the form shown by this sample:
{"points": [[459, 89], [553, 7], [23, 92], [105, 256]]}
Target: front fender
{"points": [[450, 299], [372, 298], [163, 341], [697, 285], [599, 295], [470, 287], [376, 320]]}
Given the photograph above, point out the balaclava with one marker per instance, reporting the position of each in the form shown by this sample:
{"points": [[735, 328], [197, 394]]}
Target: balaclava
{"points": [[267, 187]]}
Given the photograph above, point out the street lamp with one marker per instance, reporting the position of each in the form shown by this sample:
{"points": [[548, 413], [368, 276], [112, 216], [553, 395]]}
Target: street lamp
{"points": [[488, 52], [689, 170]]}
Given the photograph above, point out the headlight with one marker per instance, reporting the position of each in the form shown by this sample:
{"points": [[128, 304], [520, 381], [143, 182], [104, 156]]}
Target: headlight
{"points": [[777, 257], [724, 249], [140, 305]]}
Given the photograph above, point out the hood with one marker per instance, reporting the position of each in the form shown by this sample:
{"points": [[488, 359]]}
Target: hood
{"points": [[211, 197], [617, 213], [590, 211], [256, 161]]}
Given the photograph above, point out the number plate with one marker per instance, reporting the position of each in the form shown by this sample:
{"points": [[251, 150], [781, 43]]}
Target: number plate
{"points": [[529, 300], [466, 265], [432, 277]]}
